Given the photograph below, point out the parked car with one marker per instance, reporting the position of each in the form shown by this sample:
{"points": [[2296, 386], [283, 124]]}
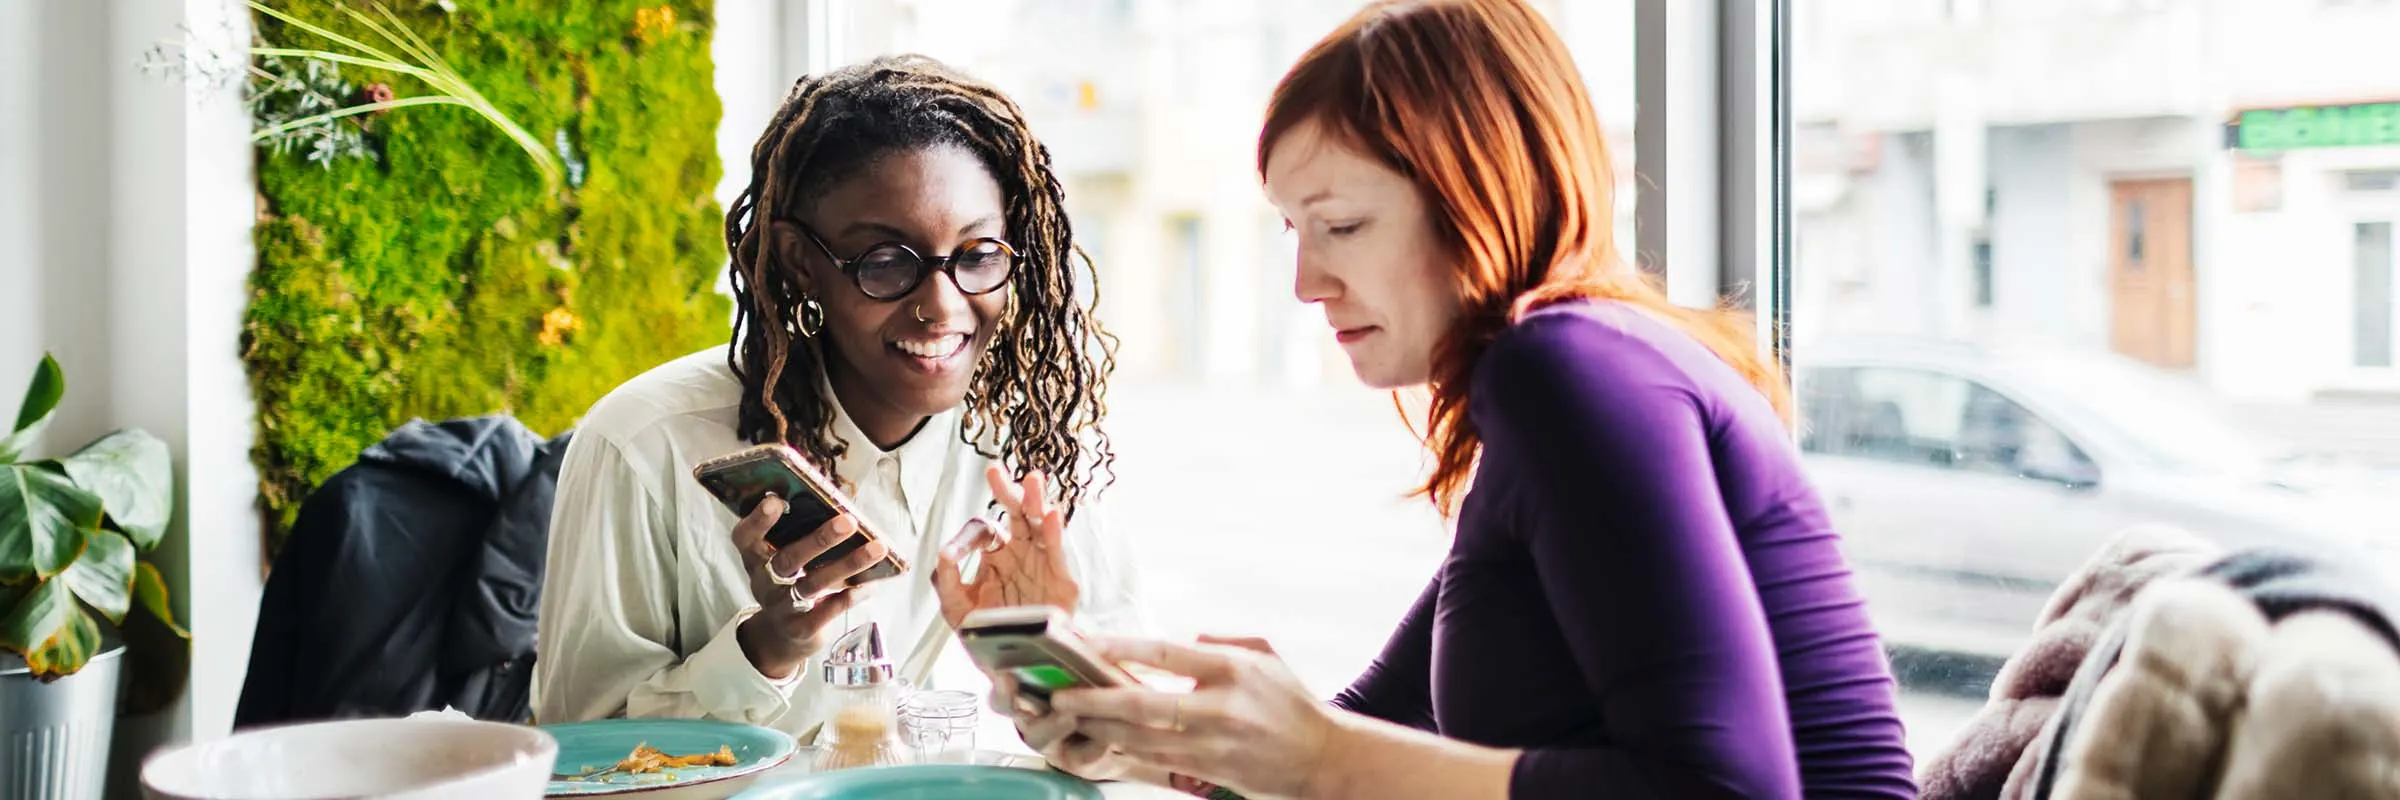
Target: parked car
{"points": [[1969, 481]]}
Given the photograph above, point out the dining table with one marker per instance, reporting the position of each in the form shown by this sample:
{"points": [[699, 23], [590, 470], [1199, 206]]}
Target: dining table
{"points": [[802, 763]]}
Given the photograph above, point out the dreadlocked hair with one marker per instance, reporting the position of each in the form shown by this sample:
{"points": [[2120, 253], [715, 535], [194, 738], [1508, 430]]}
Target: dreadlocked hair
{"points": [[1040, 389]]}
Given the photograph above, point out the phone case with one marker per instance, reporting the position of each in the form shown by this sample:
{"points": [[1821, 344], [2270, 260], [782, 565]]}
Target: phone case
{"points": [[742, 479], [1039, 648]]}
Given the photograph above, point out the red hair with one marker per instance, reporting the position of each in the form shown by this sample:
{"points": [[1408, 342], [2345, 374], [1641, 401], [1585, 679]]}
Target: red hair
{"points": [[1479, 105]]}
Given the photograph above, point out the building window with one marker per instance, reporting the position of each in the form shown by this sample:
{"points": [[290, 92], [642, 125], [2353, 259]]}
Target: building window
{"points": [[1190, 296], [1983, 271], [2371, 181], [2372, 300], [2137, 229]]}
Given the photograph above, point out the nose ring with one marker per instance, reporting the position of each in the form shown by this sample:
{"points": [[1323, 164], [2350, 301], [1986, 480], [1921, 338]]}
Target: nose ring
{"points": [[917, 310]]}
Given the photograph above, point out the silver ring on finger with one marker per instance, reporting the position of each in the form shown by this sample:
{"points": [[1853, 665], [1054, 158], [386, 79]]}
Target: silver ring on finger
{"points": [[781, 579], [801, 602]]}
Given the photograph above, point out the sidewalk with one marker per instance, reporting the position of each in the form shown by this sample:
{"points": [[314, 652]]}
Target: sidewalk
{"points": [[2367, 431]]}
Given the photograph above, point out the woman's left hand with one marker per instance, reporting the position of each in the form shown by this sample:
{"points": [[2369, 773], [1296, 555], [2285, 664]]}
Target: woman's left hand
{"points": [[1024, 565], [1248, 723]]}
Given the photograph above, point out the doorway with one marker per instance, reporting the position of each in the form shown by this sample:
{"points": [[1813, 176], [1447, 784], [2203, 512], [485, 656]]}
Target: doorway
{"points": [[2153, 303]]}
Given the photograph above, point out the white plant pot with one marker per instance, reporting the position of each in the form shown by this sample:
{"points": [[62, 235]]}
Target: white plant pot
{"points": [[54, 736]]}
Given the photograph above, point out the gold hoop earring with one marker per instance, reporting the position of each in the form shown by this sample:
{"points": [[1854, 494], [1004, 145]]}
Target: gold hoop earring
{"points": [[812, 317]]}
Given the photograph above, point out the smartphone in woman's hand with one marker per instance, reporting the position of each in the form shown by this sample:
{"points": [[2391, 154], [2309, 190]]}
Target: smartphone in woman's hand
{"points": [[742, 479]]}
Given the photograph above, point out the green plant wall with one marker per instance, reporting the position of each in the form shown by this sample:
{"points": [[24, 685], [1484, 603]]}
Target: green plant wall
{"points": [[442, 278]]}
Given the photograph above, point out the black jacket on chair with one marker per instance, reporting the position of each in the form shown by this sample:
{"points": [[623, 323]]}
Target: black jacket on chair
{"points": [[411, 581]]}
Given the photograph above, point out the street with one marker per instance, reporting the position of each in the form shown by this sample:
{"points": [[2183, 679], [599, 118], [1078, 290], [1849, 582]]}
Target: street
{"points": [[2366, 429], [1279, 513]]}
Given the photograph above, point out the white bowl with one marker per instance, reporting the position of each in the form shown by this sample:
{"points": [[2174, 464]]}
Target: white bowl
{"points": [[385, 759]]}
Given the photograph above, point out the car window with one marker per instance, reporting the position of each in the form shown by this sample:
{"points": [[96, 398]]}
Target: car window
{"points": [[1825, 405], [1889, 414], [1997, 435]]}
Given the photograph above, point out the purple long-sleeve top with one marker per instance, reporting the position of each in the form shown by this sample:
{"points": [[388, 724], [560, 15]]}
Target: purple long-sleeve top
{"points": [[1644, 594]]}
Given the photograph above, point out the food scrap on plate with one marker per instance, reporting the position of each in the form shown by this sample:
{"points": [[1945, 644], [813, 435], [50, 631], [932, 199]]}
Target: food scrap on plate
{"points": [[647, 760]]}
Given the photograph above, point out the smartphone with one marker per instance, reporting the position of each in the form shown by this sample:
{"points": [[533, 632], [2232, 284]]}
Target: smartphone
{"points": [[1038, 647], [742, 479]]}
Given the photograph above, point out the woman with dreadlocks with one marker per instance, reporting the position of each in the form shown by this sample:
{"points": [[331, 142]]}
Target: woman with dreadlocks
{"points": [[907, 318]]}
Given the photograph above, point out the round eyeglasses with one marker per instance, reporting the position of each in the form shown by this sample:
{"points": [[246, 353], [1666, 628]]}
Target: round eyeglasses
{"points": [[891, 270]]}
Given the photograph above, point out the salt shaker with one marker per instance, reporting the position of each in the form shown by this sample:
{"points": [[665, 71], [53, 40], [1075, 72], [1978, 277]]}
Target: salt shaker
{"points": [[863, 731]]}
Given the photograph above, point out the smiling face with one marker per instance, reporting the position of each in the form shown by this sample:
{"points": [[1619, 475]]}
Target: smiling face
{"points": [[896, 362], [1368, 254]]}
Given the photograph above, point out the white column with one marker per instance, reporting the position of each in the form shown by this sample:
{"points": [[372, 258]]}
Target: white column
{"points": [[143, 307], [1959, 163], [1676, 140], [223, 574], [749, 83], [2222, 329]]}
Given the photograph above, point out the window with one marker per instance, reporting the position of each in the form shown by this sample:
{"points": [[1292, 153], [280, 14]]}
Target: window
{"points": [[2132, 278], [1896, 415], [2137, 227], [2115, 324], [1198, 288], [2370, 181], [1999, 436], [2372, 300], [1928, 419], [1983, 271], [1190, 295]]}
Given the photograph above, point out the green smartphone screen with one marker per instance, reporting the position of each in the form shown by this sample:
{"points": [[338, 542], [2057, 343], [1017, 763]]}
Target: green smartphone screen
{"points": [[1047, 677]]}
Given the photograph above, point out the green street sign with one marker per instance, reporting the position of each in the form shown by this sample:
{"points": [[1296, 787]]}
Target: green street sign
{"points": [[2354, 125]]}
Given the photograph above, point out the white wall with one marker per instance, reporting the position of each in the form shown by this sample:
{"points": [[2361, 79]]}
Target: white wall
{"points": [[125, 209], [2036, 289], [1900, 196], [64, 193], [20, 280], [2037, 60], [2290, 273], [2282, 51]]}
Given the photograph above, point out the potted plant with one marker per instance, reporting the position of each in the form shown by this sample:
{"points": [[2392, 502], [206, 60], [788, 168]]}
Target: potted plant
{"points": [[73, 532]]}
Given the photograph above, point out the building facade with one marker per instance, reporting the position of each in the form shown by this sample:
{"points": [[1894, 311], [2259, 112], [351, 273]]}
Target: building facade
{"points": [[2204, 185]]}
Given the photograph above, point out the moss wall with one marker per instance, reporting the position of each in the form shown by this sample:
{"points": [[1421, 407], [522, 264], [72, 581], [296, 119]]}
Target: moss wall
{"points": [[443, 279]]}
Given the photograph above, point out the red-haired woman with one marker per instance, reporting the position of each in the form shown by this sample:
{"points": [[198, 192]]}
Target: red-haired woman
{"points": [[1644, 597]]}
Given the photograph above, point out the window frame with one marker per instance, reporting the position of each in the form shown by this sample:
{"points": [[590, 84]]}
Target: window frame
{"points": [[1712, 142]]}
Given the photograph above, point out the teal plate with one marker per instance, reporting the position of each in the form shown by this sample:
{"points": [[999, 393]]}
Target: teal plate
{"points": [[929, 782], [587, 746]]}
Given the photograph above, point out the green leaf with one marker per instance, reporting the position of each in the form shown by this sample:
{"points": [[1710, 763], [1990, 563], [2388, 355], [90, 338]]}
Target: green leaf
{"points": [[49, 384], [134, 476], [70, 650], [150, 589], [44, 520], [36, 618], [103, 575]]}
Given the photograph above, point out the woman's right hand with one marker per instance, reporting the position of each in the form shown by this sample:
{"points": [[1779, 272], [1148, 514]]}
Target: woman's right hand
{"points": [[1053, 736], [793, 619]]}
